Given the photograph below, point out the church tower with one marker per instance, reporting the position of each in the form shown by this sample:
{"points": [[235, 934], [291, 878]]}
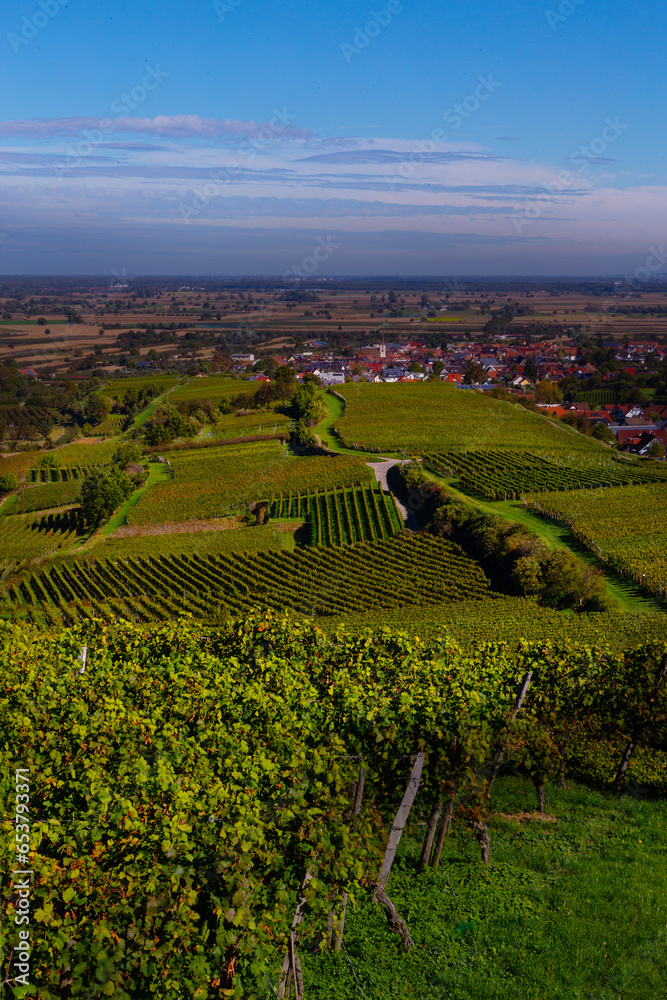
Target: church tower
{"points": [[383, 348]]}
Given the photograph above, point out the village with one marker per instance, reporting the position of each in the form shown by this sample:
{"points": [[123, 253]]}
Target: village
{"points": [[546, 375]]}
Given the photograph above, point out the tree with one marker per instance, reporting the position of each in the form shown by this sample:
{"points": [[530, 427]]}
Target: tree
{"points": [[126, 453], [473, 373], [8, 482], [415, 367], [547, 392], [530, 370], [438, 367], [102, 492], [96, 408], [602, 433], [285, 382], [656, 450]]}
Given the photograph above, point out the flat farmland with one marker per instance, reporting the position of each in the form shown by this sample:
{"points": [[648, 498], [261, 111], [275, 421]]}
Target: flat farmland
{"points": [[214, 482], [430, 416]]}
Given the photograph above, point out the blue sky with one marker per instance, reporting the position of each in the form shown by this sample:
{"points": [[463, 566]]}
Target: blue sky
{"points": [[227, 136]]}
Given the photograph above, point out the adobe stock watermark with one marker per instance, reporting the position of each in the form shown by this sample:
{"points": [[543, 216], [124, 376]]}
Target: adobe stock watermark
{"points": [[121, 107], [454, 115], [655, 264], [323, 250], [224, 7], [219, 180], [18, 973], [565, 10], [581, 158], [31, 26], [363, 36]]}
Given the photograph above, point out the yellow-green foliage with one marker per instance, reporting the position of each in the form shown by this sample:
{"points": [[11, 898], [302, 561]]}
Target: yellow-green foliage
{"points": [[433, 415], [626, 526], [212, 482]]}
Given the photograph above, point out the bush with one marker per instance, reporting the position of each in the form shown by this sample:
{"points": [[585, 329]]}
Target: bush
{"points": [[8, 482], [102, 493]]}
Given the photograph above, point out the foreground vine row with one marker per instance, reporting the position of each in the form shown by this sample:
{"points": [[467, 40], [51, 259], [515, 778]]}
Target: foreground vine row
{"points": [[203, 803]]}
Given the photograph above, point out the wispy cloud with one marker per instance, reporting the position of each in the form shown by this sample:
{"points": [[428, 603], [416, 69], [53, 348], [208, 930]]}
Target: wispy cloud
{"points": [[172, 126], [384, 195]]}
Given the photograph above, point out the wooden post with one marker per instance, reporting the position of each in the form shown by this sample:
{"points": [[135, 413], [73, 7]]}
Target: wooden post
{"points": [[431, 828], [395, 920], [500, 752], [401, 819]]}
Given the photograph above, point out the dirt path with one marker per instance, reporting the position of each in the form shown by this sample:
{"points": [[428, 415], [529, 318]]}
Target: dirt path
{"points": [[381, 469]]}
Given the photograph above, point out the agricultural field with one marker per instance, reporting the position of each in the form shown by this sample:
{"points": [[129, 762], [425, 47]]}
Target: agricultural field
{"points": [[109, 427], [47, 496], [57, 474], [506, 474], [625, 526], [509, 620], [259, 422], [231, 541], [117, 389], [434, 416], [308, 581], [212, 388], [214, 482], [341, 516], [23, 538]]}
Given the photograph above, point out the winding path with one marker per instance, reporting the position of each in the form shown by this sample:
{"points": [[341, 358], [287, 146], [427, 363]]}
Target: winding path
{"points": [[381, 470]]}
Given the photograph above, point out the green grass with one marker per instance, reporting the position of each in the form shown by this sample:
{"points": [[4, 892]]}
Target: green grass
{"points": [[572, 909], [158, 472], [626, 525], [625, 594]]}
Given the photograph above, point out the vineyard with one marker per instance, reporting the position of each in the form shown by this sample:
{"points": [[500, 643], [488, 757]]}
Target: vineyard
{"points": [[434, 416], [214, 482], [215, 389], [506, 474], [58, 474], [402, 571], [117, 389], [597, 397], [625, 527], [111, 425], [510, 620], [193, 541], [260, 422], [47, 496], [24, 538], [210, 810], [341, 516]]}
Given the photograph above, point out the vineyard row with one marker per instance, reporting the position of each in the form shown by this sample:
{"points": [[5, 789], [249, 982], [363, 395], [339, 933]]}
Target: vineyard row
{"points": [[341, 516], [420, 570]]}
